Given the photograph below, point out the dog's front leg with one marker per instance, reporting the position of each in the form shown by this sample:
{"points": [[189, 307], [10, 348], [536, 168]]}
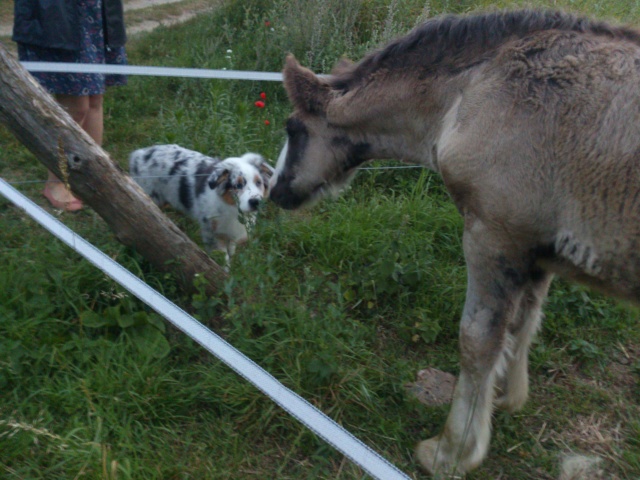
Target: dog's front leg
{"points": [[208, 227], [496, 281], [213, 241], [228, 248], [231, 250]]}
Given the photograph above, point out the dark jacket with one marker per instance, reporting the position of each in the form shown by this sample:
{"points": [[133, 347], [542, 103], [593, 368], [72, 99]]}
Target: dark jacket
{"points": [[55, 23]]}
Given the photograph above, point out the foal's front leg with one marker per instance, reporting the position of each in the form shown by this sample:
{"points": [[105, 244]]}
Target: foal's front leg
{"points": [[494, 291]]}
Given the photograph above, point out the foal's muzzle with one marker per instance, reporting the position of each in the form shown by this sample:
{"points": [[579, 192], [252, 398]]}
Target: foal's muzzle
{"points": [[282, 195]]}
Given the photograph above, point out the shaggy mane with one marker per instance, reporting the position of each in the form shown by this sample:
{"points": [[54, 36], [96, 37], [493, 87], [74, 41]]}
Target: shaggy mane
{"points": [[450, 35]]}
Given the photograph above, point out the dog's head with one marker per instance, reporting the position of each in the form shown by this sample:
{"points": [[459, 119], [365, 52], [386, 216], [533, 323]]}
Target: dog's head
{"points": [[242, 181]]}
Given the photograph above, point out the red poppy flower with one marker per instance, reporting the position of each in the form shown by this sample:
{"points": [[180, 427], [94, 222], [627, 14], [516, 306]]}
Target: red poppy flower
{"points": [[267, 122], [259, 104], [267, 23], [263, 95]]}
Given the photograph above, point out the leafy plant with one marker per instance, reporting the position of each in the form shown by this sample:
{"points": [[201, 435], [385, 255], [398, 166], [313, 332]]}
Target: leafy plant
{"points": [[144, 330]]}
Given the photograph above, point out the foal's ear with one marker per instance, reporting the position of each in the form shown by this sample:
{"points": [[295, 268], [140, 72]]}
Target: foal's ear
{"points": [[305, 90]]}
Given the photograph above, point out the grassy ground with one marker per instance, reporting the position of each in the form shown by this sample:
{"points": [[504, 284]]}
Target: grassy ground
{"points": [[343, 303]]}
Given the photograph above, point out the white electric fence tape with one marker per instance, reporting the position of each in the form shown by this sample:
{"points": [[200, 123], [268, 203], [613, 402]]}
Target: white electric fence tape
{"points": [[314, 419], [153, 71]]}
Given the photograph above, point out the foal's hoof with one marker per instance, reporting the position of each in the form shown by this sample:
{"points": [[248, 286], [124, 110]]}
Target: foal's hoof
{"points": [[434, 459], [510, 405], [511, 402]]}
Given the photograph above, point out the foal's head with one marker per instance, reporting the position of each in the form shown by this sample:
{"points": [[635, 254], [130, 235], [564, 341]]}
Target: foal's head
{"points": [[323, 148]]}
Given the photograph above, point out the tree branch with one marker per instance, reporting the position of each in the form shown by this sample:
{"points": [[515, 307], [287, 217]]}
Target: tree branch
{"points": [[35, 118]]}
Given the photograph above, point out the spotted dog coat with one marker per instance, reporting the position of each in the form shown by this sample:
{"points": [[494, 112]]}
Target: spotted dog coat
{"points": [[222, 195]]}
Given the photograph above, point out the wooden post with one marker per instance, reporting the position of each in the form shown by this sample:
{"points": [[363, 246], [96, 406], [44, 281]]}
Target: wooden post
{"points": [[35, 118]]}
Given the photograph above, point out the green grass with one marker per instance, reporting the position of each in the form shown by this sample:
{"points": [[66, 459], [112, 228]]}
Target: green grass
{"points": [[343, 303]]}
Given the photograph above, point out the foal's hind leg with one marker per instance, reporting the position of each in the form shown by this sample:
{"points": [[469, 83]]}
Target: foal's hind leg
{"points": [[513, 385], [495, 288]]}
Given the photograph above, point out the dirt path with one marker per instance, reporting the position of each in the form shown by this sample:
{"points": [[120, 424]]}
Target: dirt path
{"points": [[138, 4], [146, 15], [143, 15]]}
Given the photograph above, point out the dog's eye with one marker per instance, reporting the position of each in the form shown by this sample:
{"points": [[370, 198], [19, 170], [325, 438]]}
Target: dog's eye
{"points": [[259, 183], [241, 182]]}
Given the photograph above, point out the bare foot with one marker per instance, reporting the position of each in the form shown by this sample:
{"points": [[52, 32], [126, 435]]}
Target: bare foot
{"points": [[56, 192]]}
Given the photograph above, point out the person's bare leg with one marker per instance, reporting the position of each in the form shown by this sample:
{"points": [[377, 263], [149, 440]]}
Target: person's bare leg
{"points": [[78, 108], [93, 122]]}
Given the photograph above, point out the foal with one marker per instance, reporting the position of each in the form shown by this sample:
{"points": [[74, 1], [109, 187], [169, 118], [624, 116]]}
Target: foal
{"points": [[533, 120]]}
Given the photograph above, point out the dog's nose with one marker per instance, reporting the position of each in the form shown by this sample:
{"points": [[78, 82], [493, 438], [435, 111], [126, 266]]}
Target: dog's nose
{"points": [[254, 203]]}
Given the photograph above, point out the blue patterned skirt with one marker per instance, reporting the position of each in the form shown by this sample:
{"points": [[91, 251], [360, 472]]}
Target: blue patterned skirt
{"points": [[92, 50]]}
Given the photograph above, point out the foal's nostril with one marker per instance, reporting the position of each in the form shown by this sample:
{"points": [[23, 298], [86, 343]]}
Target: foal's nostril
{"points": [[254, 203]]}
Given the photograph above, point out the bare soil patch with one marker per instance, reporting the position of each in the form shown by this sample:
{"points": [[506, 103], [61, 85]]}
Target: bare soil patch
{"points": [[432, 387]]}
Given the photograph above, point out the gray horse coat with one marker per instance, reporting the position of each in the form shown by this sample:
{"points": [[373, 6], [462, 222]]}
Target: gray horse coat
{"points": [[533, 120]]}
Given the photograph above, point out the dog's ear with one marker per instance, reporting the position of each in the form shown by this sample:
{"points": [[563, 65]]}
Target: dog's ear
{"points": [[218, 177], [266, 170], [253, 159]]}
